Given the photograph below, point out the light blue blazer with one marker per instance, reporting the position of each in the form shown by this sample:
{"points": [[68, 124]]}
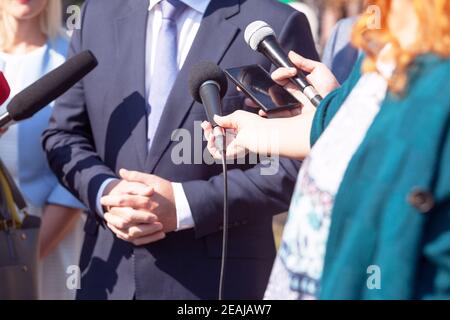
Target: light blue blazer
{"points": [[37, 182]]}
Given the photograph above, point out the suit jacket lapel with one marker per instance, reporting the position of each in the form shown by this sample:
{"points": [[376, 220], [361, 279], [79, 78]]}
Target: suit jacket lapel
{"points": [[130, 80], [211, 43]]}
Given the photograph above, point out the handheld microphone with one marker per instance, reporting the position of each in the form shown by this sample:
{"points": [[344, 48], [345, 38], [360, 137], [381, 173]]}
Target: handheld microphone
{"points": [[45, 90], [208, 85], [262, 38], [4, 89]]}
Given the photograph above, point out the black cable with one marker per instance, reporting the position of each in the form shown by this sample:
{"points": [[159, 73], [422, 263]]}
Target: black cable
{"points": [[225, 225]]}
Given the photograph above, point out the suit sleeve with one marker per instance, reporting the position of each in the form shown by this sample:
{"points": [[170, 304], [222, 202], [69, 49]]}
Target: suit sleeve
{"points": [[69, 144], [252, 195]]}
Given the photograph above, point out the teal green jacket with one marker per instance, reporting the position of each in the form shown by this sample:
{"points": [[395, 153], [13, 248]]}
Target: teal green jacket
{"points": [[390, 231]]}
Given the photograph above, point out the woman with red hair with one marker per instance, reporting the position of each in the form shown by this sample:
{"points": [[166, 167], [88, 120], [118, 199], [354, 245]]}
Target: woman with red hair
{"points": [[370, 217]]}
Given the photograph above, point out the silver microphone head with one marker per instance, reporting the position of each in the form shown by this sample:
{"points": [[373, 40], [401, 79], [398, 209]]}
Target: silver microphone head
{"points": [[256, 32]]}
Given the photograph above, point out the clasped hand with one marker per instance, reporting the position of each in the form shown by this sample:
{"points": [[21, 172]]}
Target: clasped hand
{"points": [[139, 208]]}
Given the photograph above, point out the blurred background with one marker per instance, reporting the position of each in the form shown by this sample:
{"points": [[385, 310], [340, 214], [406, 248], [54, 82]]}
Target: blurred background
{"points": [[322, 14]]}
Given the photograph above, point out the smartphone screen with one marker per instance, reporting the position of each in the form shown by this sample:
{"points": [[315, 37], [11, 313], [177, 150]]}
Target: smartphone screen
{"points": [[257, 84]]}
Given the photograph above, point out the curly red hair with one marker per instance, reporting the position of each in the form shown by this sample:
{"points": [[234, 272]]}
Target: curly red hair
{"points": [[433, 36]]}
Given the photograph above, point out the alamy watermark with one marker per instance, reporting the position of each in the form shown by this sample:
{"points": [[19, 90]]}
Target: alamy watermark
{"points": [[73, 21], [73, 280], [374, 277], [190, 150], [374, 12]]}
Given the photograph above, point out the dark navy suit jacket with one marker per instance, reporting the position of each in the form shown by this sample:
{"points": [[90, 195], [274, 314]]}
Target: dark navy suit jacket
{"points": [[99, 127]]}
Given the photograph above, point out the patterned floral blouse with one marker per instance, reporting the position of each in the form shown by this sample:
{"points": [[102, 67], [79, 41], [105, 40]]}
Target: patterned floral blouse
{"points": [[298, 267]]}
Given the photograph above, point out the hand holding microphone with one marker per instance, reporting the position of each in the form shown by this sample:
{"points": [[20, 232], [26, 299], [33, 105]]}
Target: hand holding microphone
{"points": [[208, 85], [261, 37], [256, 134], [245, 131], [318, 75]]}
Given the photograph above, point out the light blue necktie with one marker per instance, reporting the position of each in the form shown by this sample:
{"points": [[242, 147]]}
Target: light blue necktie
{"points": [[166, 67]]}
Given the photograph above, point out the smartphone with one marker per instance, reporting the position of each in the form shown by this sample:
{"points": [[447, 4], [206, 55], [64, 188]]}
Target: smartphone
{"points": [[257, 84]]}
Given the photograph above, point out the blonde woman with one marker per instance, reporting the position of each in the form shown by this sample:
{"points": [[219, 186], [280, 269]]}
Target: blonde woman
{"points": [[31, 44], [370, 217]]}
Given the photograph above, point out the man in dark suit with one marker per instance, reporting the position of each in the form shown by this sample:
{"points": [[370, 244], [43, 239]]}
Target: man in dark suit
{"points": [[159, 234]]}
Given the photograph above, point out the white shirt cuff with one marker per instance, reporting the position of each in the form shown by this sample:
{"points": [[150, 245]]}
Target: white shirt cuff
{"points": [[100, 195], [184, 214]]}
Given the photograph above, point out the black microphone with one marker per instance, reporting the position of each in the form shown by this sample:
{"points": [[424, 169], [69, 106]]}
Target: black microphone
{"points": [[208, 85], [261, 37], [50, 87]]}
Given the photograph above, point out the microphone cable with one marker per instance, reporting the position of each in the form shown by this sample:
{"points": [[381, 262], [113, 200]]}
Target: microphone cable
{"points": [[208, 85], [225, 219]]}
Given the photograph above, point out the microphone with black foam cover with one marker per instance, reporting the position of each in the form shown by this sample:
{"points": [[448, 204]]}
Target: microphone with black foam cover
{"points": [[4, 89], [261, 37], [208, 85], [50, 87]]}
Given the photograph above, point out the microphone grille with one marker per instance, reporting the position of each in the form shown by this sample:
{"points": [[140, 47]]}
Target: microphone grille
{"points": [[256, 32], [203, 72], [48, 88]]}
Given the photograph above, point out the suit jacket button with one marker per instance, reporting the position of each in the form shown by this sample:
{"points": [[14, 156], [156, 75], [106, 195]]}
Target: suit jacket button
{"points": [[421, 200]]}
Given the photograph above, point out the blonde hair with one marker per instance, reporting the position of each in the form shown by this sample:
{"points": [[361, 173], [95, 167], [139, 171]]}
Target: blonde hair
{"points": [[50, 22], [433, 37]]}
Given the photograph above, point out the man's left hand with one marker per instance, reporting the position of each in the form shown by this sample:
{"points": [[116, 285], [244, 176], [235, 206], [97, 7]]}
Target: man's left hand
{"points": [[161, 203]]}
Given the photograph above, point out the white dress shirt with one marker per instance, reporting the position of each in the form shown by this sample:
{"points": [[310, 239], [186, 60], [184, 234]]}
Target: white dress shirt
{"points": [[188, 26]]}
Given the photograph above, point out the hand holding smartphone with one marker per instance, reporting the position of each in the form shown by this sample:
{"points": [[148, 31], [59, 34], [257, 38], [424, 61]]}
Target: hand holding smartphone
{"points": [[257, 84]]}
